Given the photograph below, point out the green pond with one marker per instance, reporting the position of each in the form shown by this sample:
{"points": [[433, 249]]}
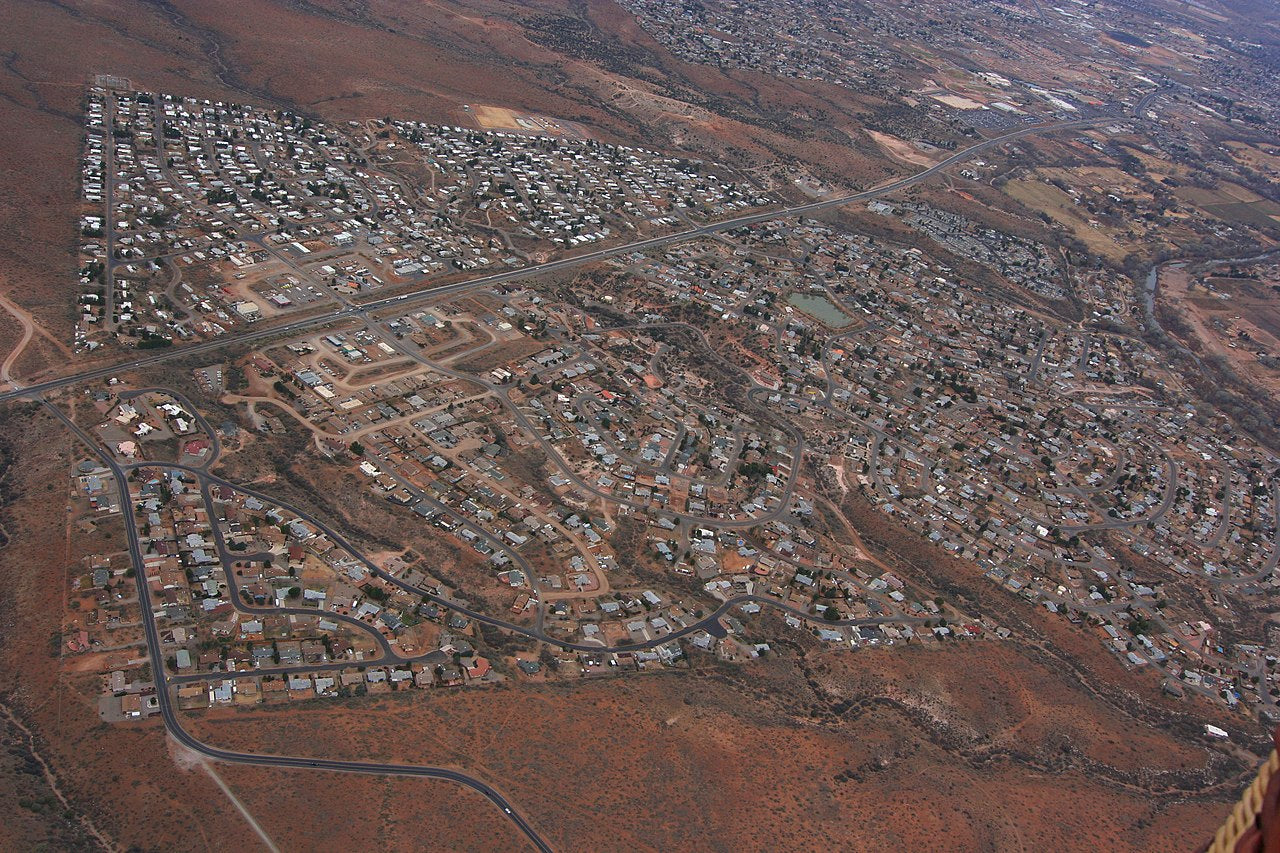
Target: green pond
{"points": [[820, 308]]}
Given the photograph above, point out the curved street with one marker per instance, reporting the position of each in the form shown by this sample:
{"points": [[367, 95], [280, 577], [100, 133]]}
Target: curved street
{"points": [[711, 623]]}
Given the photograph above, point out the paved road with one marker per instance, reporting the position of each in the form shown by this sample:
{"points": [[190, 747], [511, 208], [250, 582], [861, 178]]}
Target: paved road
{"points": [[228, 559], [711, 623], [413, 299], [163, 681], [169, 714]]}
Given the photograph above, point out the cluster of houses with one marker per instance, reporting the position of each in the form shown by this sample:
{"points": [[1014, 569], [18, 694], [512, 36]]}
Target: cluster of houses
{"points": [[232, 197], [1063, 461], [454, 664], [1057, 459], [150, 418], [879, 51], [655, 446], [568, 192], [1019, 261]]}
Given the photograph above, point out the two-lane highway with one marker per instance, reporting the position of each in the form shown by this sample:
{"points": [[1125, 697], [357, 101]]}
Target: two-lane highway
{"points": [[431, 294], [162, 680]]}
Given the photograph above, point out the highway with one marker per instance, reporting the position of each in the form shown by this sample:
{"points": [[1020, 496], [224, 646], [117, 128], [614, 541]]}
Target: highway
{"points": [[409, 300], [710, 623]]}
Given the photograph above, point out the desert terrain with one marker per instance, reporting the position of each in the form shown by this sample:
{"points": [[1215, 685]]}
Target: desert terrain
{"points": [[1029, 738], [994, 750]]}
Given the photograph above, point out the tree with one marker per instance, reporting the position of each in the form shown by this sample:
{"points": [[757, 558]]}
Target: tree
{"points": [[294, 591], [357, 449]]}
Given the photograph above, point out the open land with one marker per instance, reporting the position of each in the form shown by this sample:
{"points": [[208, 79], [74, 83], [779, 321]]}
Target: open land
{"points": [[839, 744], [637, 423]]}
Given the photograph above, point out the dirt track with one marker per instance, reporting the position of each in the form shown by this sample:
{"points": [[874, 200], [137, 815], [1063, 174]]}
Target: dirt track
{"points": [[29, 329]]}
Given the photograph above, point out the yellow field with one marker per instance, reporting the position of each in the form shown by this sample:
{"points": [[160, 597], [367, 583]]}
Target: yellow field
{"points": [[495, 118], [1254, 158], [957, 102], [503, 118], [900, 149], [1038, 195]]}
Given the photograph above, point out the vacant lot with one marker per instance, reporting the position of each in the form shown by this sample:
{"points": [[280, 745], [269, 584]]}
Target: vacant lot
{"points": [[1045, 197], [819, 751]]}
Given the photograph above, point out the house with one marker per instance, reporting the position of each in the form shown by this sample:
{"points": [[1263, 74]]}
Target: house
{"points": [[290, 652]]}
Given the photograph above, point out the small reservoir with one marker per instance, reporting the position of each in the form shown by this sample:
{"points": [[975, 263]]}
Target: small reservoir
{"points": [[820, 308]]}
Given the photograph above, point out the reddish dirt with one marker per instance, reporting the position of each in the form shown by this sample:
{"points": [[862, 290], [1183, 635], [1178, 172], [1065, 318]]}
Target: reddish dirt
{"points": [[891, 748], [301, 810], [121, 779]]}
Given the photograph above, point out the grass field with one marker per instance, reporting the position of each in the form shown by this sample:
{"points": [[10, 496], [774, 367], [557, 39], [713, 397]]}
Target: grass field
{"points": [[1233, 203], [1260, 214], [1254, 158], [1225, 194], [1038, 195]]}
